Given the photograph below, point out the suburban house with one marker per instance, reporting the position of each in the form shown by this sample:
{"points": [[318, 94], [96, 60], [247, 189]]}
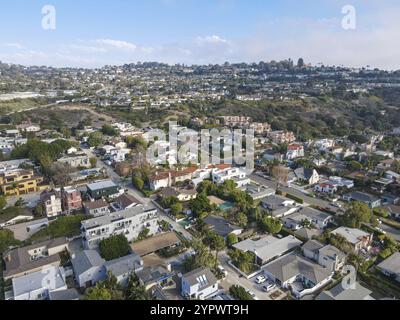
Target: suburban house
{"points": [[51, 201], [318, 219], [130, 222], [96, 208], [80, 160], [18, 182], [340, 182], [257, 192], [301, 276], [370, 200], [279, 206], [220, 176], [169, 178], [325, 188], [353, 293], [40, 284], [357, 238], [199, 284], [308, 176], [103, 189], [181, 194], [391, 267], [125, 201], [268, 248], [221, 226], [122, 268], [325, 255], [26, 260], [294, 151], [155, 276], [88, 268]]}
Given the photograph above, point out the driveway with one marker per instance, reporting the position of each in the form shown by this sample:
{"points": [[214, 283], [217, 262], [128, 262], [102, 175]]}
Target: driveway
{"points": [[233, 279]]}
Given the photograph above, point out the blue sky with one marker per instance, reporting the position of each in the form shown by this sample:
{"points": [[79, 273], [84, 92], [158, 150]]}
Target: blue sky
{"points": [[91, 33]]}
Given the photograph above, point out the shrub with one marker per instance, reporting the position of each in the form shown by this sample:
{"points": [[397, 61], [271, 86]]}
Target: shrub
{"points": [[114, 247]]}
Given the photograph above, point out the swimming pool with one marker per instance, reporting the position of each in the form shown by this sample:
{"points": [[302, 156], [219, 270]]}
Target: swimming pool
{"points": [[226, 206]]}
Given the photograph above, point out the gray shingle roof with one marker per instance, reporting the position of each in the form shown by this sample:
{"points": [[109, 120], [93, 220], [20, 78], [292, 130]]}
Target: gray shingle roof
{"points": [[339, 293], [202, 276], [292, 265], [123, 265], [220, 226], [86, 260]]}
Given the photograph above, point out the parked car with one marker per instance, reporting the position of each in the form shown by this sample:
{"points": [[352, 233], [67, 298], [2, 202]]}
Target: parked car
{"points": [[252, 294], [221, 268], [269, 286], [260, 279]]}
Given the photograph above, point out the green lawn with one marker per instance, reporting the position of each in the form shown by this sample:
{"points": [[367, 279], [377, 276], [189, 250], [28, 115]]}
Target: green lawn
{"points": [[62, 227]]}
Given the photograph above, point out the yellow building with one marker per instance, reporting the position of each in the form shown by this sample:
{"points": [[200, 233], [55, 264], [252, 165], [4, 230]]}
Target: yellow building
{"points": [[18, 182]]}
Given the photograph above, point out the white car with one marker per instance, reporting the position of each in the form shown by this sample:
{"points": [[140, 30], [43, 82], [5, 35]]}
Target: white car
{"points": [[269, 286], [260, 279], [221, 268], [252, 294]]}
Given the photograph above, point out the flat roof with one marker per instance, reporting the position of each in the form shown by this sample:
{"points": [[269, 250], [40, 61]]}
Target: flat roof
{"points": [[101, 185], [119, 215], [155, 243], [269, 247]]}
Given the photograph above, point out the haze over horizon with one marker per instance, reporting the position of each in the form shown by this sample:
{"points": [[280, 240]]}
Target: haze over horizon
{"points": [[98, 33]]}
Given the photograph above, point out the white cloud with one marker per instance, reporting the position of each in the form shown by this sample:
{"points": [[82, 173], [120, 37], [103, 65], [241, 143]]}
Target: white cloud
{"points": [[118, 44], [211, 40]]}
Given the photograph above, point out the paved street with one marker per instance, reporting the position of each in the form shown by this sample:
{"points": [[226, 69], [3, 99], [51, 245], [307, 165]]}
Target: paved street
{"points": [[295, 192]]}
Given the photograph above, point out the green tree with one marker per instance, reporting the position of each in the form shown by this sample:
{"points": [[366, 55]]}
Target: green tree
{"points": [[239, 293], [201, 206], [241, 219], [176, 209], [357, 214], [7, 240], [114, 247], [109, 130], [108, 289], [271, 225], [135, 291], [93, 162], [138, 183], [217, 244], [232, 239], [95, 139]]}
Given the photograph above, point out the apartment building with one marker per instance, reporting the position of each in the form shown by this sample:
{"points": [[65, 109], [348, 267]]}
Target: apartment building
{"points": [[19, 181], [129, 222], [71, 199], [281, 137], [51, 201]]}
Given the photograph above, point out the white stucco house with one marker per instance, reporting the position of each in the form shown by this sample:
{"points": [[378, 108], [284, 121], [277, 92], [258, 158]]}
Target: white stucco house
{"points": [[199, 284]]}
